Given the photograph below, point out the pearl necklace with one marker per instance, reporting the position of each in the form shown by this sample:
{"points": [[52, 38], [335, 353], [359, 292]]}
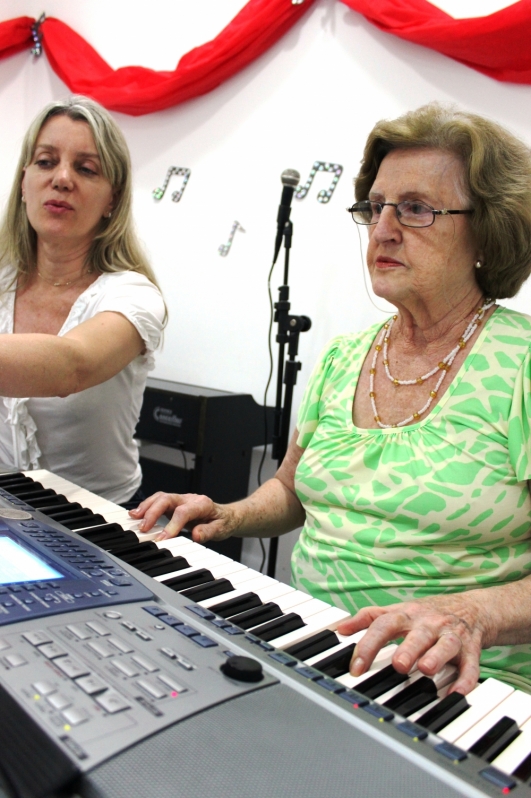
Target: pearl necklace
{"points": [[67, 282], [443, 366]]}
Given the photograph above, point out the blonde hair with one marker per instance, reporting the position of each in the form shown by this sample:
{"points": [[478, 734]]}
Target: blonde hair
{"points": [[115, 247], [497, 184]]}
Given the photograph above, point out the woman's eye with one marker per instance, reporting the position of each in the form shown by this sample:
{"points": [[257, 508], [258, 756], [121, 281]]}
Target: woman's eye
{"points": [[418, 208], [43, 163], [87, 170]]}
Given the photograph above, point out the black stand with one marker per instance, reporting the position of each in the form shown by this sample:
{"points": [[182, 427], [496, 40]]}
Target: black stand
{"points": [[289, 329]]}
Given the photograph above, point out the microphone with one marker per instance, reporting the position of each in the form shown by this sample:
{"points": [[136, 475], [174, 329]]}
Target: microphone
{"points": [[290, 180]]}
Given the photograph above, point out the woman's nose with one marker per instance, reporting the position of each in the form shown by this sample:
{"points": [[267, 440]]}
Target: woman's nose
{"points": [[62, 177], [387, 227]]}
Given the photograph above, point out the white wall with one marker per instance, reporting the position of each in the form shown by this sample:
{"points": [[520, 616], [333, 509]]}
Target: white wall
{"points": [[315, 95]]}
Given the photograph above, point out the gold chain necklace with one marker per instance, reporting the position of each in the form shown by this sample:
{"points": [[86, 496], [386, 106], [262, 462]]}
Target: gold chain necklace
{"points": [[66, 282], [443, 366]]}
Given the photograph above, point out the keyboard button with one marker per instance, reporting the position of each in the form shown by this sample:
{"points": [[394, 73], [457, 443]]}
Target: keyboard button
{"points": [[124, 667], [37, 638], [145, 663], [112, 702], [44, 687], [151, 689], [71, 667], [91, 685], [75, 716], [15, 660], [58, 701]]}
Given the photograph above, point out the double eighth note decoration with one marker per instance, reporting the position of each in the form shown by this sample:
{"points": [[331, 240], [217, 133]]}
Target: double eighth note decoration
{"points": [[158, 193], [224, 249], [325, 195]]}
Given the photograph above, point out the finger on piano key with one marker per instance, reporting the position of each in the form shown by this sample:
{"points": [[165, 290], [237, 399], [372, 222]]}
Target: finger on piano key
{"points": [[382, 659], [516, 706], [483, 699], [516, 758]]}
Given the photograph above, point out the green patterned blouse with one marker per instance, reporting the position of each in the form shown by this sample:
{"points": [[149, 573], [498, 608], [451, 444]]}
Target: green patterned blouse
{"points": [[438, 506]]}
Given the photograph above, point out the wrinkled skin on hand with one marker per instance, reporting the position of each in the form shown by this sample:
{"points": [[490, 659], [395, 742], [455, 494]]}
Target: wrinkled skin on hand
{"points": [[436, 630], [208, 520]]}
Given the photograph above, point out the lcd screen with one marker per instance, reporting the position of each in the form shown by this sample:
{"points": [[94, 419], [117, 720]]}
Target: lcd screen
{"points": [[18, 564]]}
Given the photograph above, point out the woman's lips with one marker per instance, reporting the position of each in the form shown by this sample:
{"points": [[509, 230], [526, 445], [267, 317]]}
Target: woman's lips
{"points": [[383, 262], [57, 207]]}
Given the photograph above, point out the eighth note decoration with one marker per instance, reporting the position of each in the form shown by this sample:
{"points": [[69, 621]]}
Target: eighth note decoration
{"points": [[158, 193], [325, 195], [225, 248]]}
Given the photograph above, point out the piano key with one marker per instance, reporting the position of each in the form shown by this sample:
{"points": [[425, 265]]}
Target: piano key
{"points": [[266, 587], [280, 626], [517, 705], [326, 619], [483, 699], [496, 739], [233, 606], [381, 682], [442, 712], [382, 660], [418, 692], [515, 755], [313, 645], [213, 589], [257, 616]]}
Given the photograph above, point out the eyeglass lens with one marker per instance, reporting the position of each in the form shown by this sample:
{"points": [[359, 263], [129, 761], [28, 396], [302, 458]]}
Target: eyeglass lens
{"points": [[411, 214]]}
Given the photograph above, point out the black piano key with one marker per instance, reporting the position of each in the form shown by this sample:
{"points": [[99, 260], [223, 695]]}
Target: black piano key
{"points": [[414, 697], [107, 541], [54, 506], [247, 601], [313, 645], [69, 512], [26, 495], [523, 771], [106, 530], [51, 501], [19, 484], [336, 664], [443, 713], [166, 566], [257, 616], [209, 590], [14, 476], [278, 627], [135, 547], [191, 579], [496, 739], [147, 557], [382, 681]]}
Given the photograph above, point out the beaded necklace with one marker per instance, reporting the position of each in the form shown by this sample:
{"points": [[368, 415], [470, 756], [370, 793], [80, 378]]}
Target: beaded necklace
{"points": [[67, 282], [443, 366]]}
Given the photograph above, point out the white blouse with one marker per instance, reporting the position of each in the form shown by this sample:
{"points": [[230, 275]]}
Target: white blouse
{"points": [[87, 437]]}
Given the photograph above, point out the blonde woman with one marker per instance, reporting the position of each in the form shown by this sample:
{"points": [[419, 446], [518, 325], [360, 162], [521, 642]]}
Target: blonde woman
{"points": [[80, 310]]}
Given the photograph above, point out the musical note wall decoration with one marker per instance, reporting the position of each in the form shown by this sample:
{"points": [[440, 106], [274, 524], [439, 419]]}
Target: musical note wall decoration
{"points": [[158, 193], [224, 249], [325, 195]]}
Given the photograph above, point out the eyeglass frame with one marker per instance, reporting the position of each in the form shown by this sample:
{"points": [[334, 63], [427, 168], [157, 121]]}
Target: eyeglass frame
{"points": [[442, 212]]}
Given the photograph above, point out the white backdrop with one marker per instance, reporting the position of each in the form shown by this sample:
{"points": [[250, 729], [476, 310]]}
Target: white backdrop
{"points": [[313, 96]]}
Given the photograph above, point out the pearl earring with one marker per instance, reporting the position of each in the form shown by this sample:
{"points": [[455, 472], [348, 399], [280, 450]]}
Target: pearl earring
{"points": [[23, 198], [107, 215], [478, 264]]}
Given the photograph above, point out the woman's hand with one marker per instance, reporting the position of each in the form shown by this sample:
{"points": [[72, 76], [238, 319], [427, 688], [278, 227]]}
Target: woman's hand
{"points": [[436, 630], [210, 521]]}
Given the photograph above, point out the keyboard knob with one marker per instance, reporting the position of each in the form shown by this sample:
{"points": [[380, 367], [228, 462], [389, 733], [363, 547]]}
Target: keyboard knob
{"points": [[244, 669]]}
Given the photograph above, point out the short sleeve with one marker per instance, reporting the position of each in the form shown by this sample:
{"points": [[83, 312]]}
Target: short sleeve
{"points": [[519, 431], [136, 298], [309, 410]]}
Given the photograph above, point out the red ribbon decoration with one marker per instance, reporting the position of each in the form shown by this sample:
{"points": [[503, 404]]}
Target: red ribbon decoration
{"points": [[496, 45]]}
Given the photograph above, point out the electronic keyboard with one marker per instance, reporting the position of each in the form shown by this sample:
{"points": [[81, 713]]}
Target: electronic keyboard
{"points": [[217, 679]]}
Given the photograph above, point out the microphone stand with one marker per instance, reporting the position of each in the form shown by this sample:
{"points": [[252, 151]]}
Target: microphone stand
{"points": [[289, 329]]}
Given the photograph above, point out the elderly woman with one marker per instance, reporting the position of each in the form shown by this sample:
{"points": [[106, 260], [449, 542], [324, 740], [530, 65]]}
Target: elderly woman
{"points": [[411, 461], [80, 310]]}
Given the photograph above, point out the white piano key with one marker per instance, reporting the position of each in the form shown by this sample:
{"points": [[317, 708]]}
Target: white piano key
{"points": [[516, 706], [516, 752], [326, 619], [483, 699], [382, 660]]}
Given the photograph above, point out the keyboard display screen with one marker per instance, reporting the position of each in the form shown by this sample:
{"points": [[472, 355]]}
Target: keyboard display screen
{"points": [[18, 564]]}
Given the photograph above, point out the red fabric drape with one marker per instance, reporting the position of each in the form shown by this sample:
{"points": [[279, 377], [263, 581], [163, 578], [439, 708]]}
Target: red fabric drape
{"points": [[137, 90], [496, 45]]}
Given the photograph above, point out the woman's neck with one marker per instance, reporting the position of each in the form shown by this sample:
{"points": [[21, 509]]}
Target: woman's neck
{"points": [[61, 261]]}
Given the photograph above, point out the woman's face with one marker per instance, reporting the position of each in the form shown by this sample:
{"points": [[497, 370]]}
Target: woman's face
{"points": [[429, 265], [64, 188]]}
